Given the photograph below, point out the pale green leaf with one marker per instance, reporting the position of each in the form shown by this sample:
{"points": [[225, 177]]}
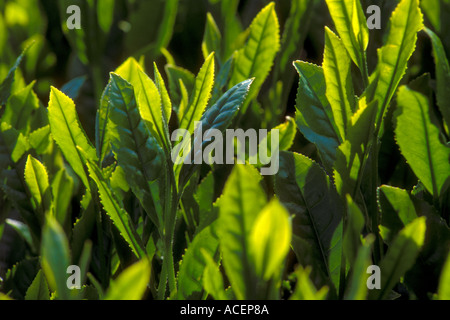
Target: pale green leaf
{"points": [[256, 58], [36, 178], [131, 283], [400, 256], [68, 133], [339, 85], [55, 257], [38, 289], [418, 137], [200, 96], [270, 239], [242, 200], [350, 22]]}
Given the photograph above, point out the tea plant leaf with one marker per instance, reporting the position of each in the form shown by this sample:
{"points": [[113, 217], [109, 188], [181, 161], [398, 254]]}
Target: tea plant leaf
{"points": [[305, 289], [295, 31], [314, 116], [442, 76], [242, 200], [165, 99], [200, 97], [213, 279], [350, 22], [73, 87], [397, 210], [270, 239], [105, 14], [339, 86], [38, 289], [352, 234], [102, 138], [40, 139], [137, 152], [68, 133], [131, 283], [55, 257], [418, 138], [117, 214], [400, 256], [62, 187], [256, 58], [194, 263], [444, 281], [212, 37], [6, 85], [357, 284], [36, 178], [148, 99], [174, 74], [286, 136], [21, 108], [306, 191], [218, 117], [350, 154], [405, 22]]}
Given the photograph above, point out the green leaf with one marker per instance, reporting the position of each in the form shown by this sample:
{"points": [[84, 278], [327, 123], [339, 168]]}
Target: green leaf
{"points": [[218, 117], [348, 168], [148, 99], [444, 282], [6, 85], [243, 198], [105, 14], [397, 210], [194, 263], [23, 230], [55, 257], [38, 289], [442, 76], [212, 37], [62, 189], [270, 239], [73, 87], [174, 74], [357, 284], [40, 139], [213, 279], [36, 178], [418, 137], [339, 85], [353, 230], [314, 117], [200, 97], [68, 133], [166, 103], [400, 256], [351, 25], [256, 58], [306, 191], [117, 214], [21, 108], [131, 283], [286, 136], [305, 289], [137, 152], [405, 22], [102, 137], [294, 33]]}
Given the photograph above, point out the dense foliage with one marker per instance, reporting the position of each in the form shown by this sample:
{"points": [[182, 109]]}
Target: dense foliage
{"points": [[86, 139]]}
